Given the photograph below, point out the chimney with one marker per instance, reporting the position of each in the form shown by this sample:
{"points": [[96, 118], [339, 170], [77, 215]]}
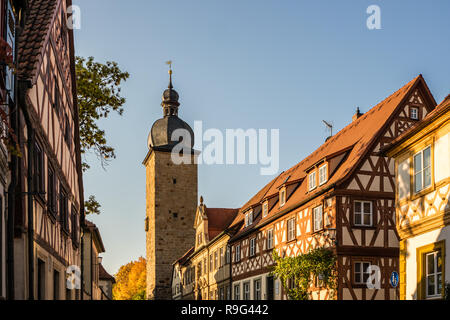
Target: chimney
{"points": [[357, 114]]}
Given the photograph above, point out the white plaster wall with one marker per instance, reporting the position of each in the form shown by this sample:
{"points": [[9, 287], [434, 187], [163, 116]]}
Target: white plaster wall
{"points": [[263, 278], [411, 263]]}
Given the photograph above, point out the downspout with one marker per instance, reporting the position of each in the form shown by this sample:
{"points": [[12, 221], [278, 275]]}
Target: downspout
{"points": [[24, 86]]}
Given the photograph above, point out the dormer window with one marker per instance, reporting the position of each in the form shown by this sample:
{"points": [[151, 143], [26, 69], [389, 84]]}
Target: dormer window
{"points": [[312, 181], [248, 218], [323, 176], [199, 239], [414, 113], [282, 197], [265, 208]]}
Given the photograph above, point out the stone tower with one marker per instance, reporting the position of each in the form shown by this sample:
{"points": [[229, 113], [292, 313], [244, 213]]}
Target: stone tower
{"points": [[171, 194]]}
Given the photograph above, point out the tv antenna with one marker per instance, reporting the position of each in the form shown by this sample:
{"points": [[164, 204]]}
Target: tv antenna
{"points": [[329, 126]]}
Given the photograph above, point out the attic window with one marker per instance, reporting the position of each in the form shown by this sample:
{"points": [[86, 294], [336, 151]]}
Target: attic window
{"points": [[312, 181], [414, 113], [248, 218], [282, 197], [265, 208], [322, 174]]}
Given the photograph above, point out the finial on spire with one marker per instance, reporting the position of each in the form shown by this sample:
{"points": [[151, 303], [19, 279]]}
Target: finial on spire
{"points": [[201, 200], [170, 73]]}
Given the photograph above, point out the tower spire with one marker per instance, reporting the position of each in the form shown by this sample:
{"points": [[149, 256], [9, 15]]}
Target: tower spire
{"points": [[170, 74]]}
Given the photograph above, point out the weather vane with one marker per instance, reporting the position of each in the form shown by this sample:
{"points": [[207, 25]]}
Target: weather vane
{"points": [[170, 72]]}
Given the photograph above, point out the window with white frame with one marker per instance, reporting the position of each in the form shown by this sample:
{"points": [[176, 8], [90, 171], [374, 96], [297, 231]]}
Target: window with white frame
{"points": [[422, 169], [265, 208], [252, 246], [323, 174], [312, 181], [291, 229], [238, 253], [246, 219], [361, 272], [237, 291], [269, 239], [363, 213], [246, 290], [414, 113], [222, 258], [250, 217], [216, 260], [318, 218], [282, 197], [257, 289], [433, 274]]}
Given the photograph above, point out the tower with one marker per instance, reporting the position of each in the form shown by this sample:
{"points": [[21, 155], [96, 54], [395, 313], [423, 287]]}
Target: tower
{"points": [[171, 195]]}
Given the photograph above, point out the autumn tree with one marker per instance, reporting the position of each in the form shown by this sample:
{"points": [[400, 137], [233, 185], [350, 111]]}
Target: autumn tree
{"points": [[98, 94], [131, 281]]}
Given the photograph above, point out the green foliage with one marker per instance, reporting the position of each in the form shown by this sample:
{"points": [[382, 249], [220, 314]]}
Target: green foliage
{"points": [[91, 206], [98, 94], [303, 269]]}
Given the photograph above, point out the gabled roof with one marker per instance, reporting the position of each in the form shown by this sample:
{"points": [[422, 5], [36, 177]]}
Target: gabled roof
{"points": [[31, 42], [219, 219], [185, 256], [104, 275], [355, 140], [442, 108], [96, 233]]}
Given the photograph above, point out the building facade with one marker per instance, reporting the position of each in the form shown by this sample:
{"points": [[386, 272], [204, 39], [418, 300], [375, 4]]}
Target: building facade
{"points": [[92, 246], [204, 273], [46, 194], [422, 162], [106, 282], [340, 197], [171, 195]]}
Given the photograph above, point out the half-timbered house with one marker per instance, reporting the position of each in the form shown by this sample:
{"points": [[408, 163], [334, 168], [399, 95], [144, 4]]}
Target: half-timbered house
{"points": [[339, 197], [47, 193], [422, 162], [207, 265], [6, 98]]}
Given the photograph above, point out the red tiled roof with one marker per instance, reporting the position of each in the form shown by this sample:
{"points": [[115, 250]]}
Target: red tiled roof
{"points": [[219, 219], [185, 256], [104, 275], [443, 107], [356, 139], [33, 36]]}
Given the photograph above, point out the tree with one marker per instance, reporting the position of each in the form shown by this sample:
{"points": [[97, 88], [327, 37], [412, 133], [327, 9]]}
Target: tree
{"points": [[131, 281], [98, 94], [319, 263]]}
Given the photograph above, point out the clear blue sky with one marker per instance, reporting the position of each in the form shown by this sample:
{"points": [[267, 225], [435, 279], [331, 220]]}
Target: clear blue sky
{"points": [[247, 64]]}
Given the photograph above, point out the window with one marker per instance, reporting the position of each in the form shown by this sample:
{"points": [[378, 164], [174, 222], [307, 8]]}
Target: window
{"points": [[55, 285], [257, 289], [205, 267], [252, 246], [41, 280], [216, 265], [38, 169], [227, 255], [246, 290], [291, 229], [361, 272], [199, 239], [414, 113], [433, 274], [270, 239], [51, 191], [322, 174], [228, 292], [222, 258], [237, 292], [238, 253], [265, 208], [363, 213], [312, 181], [318, 218], [56, 95], [210, 262], [75, 226], [221, 293], [63, 209], [282, 197], [422, 169], [248, 218]]}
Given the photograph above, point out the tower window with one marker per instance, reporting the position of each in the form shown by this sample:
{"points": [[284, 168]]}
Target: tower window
{"points": [[174, 181], [175, 215]]}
